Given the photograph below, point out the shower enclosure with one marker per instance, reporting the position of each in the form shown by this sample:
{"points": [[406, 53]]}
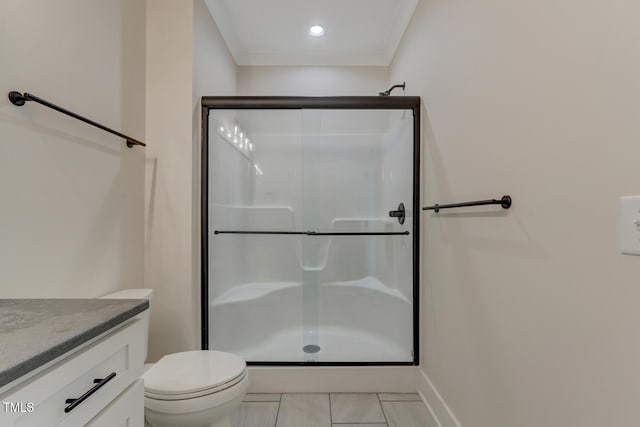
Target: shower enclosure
{"points": [[310, 229]]}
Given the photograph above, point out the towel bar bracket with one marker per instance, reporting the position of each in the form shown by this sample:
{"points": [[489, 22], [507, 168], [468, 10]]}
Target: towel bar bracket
{"points": [[16, 98]]}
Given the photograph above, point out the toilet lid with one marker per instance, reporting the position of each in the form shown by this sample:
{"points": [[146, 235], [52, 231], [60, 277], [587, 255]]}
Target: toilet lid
{"points": [[192, 372]]}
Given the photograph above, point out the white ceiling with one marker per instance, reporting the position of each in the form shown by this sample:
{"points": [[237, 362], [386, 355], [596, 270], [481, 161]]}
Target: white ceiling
{"points": [[275, 32]]}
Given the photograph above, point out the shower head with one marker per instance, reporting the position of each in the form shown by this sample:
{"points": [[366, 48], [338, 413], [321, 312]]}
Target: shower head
{"points": [[388, 91]]}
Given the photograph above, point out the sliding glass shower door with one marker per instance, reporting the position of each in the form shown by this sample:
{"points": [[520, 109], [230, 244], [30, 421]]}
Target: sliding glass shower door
{"points": [[309, 234]]}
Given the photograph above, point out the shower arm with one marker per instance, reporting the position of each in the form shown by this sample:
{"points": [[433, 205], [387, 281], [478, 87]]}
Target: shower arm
{"points": [[388, 91]]}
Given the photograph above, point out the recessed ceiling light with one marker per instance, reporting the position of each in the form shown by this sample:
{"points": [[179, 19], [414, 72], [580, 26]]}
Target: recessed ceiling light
{"points": [[316, 31]]}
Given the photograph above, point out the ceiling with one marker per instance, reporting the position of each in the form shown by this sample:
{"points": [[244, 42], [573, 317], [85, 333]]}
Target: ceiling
{"points": [[275, 32]]}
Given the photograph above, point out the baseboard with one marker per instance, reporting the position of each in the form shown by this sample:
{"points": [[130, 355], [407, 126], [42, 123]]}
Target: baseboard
{"points": [[324, 379], [441, 413]]}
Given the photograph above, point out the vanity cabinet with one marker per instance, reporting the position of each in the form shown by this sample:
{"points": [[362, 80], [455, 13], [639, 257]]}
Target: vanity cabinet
{"points": [[98, 385]]}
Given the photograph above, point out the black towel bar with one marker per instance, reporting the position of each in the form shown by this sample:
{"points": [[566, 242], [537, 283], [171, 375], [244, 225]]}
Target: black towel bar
{"points": [[19, 99], [505, 202]]}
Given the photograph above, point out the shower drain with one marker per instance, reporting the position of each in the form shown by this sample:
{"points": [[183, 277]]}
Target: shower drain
{"points": [[311, 348]]}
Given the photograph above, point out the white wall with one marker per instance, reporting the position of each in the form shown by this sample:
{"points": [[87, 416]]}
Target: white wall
{"points": [[214, 70], [312, 81], [530, 316], [186, 58], [71, 221]]}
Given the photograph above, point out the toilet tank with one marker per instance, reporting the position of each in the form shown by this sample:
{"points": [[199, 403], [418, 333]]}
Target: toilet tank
{"points": [[136, 294]]}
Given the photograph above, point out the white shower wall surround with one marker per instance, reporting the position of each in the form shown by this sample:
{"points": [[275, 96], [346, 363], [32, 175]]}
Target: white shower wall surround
{"points": [[319, 170]]}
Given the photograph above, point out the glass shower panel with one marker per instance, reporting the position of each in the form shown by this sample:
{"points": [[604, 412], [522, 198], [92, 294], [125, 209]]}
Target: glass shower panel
{"points": [[306, 263], [254, 272], [358, 279]]}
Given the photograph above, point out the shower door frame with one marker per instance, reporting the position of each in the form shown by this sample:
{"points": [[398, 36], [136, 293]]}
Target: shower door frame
{"points": [[209, 103]]}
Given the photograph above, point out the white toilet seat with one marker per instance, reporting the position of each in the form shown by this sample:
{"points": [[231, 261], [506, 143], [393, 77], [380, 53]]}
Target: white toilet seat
{"points": [[191, 372], [194, 381], [197, 404], [212, 390]]}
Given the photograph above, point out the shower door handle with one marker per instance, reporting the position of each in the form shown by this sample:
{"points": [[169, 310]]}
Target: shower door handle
{"points": [[400, 213]]}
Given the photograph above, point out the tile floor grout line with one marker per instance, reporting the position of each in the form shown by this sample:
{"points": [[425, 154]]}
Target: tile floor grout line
{"points": [[278, 411], [382, 408], [330, 412]]}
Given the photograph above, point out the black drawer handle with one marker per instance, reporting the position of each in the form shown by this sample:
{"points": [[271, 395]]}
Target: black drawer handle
{"points": [[99, 383]]}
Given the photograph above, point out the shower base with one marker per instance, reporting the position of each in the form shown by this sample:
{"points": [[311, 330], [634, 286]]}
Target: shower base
{"points": [[336, 345], [358, 322]]}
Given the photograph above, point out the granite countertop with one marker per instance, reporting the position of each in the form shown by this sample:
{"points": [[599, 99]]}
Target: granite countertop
{"points": [[35, 331]]}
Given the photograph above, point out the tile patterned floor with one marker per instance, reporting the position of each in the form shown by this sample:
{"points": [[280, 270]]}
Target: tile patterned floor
{"points": [[333, 410]]}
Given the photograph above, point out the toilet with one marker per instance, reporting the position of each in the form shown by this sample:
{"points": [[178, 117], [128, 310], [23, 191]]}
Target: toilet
{"points": [[193, 388]]}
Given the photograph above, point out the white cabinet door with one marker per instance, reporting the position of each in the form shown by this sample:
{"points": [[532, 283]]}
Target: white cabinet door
{"points": [[127, 410]]}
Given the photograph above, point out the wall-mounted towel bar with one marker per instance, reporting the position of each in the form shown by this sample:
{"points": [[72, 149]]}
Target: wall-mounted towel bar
{"points": [[505, 202], [313, 233], [19, 99]]}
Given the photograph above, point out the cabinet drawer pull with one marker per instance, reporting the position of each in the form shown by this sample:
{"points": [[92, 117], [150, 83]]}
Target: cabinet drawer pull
{"points": [[99, 383]]}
